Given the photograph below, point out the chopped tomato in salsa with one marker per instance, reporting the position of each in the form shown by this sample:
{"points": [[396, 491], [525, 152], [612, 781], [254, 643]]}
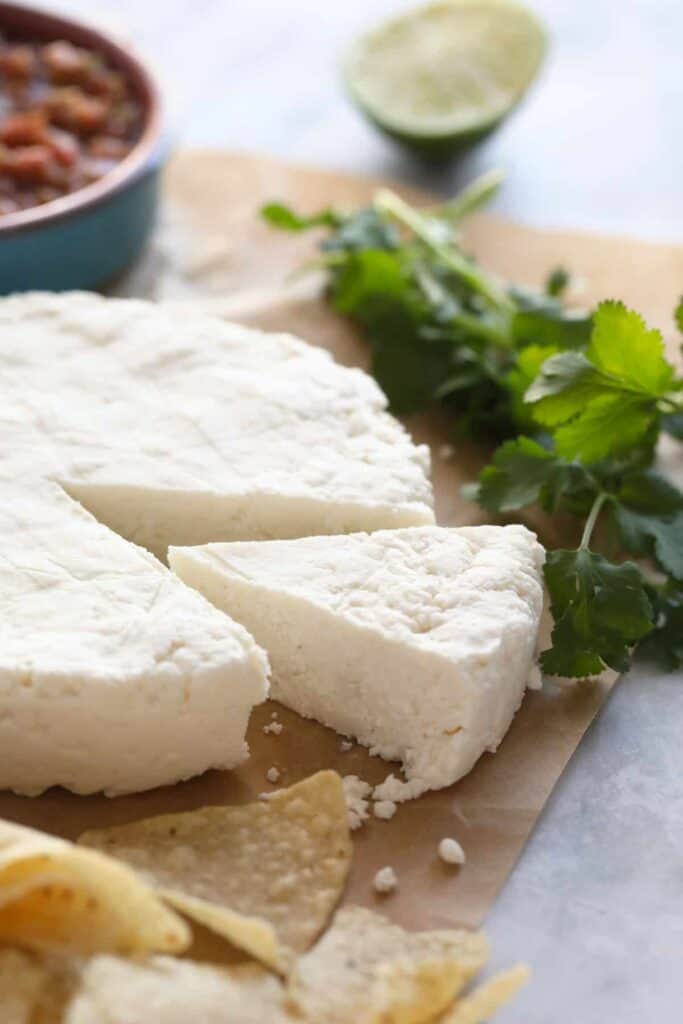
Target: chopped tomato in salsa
{"points": [[66, 118]]}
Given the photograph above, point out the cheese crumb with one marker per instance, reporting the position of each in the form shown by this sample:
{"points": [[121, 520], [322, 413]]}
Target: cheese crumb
{"points": [[385, 809], [535, 680], [273, 774], [274, 714], [451, 852], [397, 791], [356, 792], [274, 727], [446, 452], [385, 880], [345, 746]]}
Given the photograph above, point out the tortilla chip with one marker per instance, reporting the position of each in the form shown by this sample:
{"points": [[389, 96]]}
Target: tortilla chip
{"points": [[34, 990], [167, 991], [251, 934], [57, 897], [366, 970], [21, 983], [486, 1000], [266, 876]]}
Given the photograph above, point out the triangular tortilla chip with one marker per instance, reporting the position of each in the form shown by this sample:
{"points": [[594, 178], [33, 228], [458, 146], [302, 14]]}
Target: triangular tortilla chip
{"points": [[486, 1000], [35, 989], [167, 991], [57, 896], [366, 970], [266, 876]]}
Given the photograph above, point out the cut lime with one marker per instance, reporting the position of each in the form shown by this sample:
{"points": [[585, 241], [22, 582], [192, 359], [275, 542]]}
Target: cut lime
{"points": [[441, 76]]}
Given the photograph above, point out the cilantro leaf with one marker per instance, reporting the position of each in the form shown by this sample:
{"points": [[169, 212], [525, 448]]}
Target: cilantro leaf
{"points": [[678, 314], [523, 472], [373, 278], [520, 378], [365, 230], [664, 645], [281, 216], [557, 282], [516, 477], [566, 382], [407, 371], [625, 351], [672, 423], [610, 425], [600, 609], [551, 325], [376, 288], [623, 356], [606, 401], [649, 492], [649, 519]]}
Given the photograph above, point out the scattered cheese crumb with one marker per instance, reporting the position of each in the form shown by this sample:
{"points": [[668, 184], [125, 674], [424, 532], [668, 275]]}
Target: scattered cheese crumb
{"points": [[385, 809], [446, 452], [385, 880], [451, 852], [345, 746], [535, 680], [356, 792], [274, 727], [274, 714], [273, 774], [397, 791]]}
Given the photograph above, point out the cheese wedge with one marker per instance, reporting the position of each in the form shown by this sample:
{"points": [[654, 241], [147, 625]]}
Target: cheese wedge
{"points": [[113, 675], [417, 642]]}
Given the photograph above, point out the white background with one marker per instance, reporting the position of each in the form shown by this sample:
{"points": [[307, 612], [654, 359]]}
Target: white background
{"points": [[596, 904]]}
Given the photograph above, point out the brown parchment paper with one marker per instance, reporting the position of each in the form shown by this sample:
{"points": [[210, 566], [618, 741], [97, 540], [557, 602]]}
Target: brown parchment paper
{"points": [[211, 247]]}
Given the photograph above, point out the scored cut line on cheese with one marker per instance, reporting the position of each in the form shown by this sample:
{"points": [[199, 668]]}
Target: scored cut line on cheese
{"points": [[167, 426], [177, 428]]}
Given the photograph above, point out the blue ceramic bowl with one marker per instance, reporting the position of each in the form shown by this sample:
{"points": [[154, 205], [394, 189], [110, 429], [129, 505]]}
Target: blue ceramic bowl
{"points": [[87, 238]]}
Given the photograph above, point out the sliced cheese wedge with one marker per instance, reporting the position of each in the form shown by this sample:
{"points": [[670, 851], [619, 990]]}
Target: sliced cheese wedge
{"points": [[418, 642], [113, 675]]}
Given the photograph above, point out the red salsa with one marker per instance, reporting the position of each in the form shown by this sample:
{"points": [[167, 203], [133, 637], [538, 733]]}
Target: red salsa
{"points": [[66, 118]]}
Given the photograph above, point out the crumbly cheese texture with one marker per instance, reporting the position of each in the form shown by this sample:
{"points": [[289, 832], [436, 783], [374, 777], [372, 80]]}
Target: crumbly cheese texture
{"points": [[114, 676], [169, 426], [174, 427], [418, 642], [357, 792]]}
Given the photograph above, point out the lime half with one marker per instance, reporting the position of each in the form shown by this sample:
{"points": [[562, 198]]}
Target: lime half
{"points": [[443, 75]]}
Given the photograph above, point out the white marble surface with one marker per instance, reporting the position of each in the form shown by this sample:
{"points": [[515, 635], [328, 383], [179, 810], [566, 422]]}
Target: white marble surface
{"points": [[595, 904]]}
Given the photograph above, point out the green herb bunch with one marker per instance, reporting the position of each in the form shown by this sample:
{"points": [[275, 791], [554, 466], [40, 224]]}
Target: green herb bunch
{"points": [[579, 402]]}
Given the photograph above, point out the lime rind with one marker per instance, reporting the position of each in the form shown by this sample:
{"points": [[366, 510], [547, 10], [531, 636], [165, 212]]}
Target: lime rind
{"points": [[443, 75]]}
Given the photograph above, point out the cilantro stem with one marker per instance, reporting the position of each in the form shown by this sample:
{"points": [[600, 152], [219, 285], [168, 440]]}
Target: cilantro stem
{"points": [[592, 519], [389, 203], [476, 195]]}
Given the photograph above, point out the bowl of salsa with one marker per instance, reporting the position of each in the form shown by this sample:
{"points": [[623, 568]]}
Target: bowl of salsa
{"points": [[81, 153]]}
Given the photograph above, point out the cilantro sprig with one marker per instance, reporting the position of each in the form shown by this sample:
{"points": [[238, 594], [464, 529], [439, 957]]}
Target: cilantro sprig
{"points": [[578, 400], [441, 329]]}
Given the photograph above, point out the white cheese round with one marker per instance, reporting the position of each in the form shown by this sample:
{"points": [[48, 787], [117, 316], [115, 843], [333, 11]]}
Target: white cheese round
{"points": [[169, 426]]}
